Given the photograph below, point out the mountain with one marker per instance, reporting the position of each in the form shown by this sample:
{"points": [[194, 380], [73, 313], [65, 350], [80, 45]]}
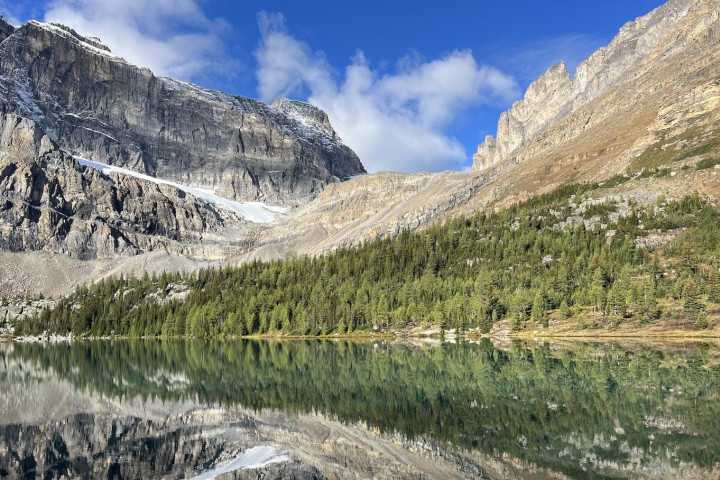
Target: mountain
{"points": [[100, 158], [645, 105], [624, 96], [649, 99], [96, 105]]}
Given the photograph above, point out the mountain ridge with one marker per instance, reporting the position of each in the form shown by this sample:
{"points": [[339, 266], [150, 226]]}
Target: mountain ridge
{"points": [[101, 159], [101, 107], [660, 33], [661, 113]]}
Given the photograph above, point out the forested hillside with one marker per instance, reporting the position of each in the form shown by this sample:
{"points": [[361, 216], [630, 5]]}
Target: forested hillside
{"points": [[578, 254]]}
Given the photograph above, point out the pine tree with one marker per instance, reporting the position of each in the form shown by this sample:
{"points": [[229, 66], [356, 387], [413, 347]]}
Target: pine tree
{"points": [[647, 299], [301, 325], [490, 320], [693, 306], [565, 309], [597, 290], [231, 327], [713, 283], [616, 308], [538, 314]]}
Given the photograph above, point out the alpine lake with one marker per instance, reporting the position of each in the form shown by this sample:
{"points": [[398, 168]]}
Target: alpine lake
{"points": [[359, 409]]}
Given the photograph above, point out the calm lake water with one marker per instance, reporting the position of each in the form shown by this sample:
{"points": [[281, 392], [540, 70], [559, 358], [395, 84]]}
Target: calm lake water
{"points": [[359, 410]]}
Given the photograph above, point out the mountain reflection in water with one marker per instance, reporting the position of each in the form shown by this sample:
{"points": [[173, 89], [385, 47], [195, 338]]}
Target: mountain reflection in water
{"points": [[139, 409]]}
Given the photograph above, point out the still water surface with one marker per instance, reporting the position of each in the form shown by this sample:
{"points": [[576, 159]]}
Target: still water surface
{"points": [[370, 410]]}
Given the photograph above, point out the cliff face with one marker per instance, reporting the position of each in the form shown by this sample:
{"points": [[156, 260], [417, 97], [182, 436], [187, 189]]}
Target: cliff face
{"points": [[98, 106], [182, 159], [49, 201], [679, 30]]}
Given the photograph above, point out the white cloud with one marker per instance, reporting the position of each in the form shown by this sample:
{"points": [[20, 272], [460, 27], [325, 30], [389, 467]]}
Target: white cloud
{"points": [[393, 121], [171, 37]]}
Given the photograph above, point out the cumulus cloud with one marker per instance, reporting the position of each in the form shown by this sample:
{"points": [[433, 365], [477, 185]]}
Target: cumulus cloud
{"points": [[394, 121], [171, 37]]}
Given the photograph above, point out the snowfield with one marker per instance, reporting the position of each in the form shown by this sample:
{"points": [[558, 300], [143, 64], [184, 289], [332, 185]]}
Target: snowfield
{"points": [[256, 212], [252, 458]]}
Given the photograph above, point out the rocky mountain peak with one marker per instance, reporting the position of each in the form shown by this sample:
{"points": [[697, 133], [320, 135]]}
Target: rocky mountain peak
{"points": [[305, 113], [556, 75], [98, 106], [99, 157], [67, 32], [675, 27]]}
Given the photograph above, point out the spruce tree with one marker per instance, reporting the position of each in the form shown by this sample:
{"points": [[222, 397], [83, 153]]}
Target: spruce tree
{"points": [[647, 299], [538, 314], [597, 290], [616, 306], [693, 305], [713, 283], [565, 309]]}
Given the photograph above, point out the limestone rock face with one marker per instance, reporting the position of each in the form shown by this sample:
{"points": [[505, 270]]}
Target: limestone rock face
{"points": [[64, 96], [48, 201], [309, 116], [98, 106], [677, 28]]}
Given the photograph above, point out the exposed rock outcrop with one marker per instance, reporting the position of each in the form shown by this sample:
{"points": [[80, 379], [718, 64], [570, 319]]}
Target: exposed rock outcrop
{"points": [[96, 105], [48, 201], [672, 31], [20, 309], [5, 29]]}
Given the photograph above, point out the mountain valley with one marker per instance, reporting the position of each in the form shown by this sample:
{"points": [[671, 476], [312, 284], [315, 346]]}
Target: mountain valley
{"points": [[649, 100]]}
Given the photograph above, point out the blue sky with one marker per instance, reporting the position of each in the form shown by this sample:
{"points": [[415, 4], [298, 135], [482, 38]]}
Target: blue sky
{"points": [[409, 85]]}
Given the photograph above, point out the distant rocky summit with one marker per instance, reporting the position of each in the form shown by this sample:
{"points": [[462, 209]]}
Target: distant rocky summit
{"points": [[680, 32]]}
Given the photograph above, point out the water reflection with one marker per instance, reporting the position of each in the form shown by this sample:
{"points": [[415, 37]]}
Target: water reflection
{"points": [[586, 411]]}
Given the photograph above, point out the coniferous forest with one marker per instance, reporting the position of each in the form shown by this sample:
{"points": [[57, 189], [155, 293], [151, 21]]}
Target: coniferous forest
{"points": [[554, 258]]}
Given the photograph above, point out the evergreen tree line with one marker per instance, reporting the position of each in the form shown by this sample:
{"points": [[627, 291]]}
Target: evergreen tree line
{"points": [[524, 264]]}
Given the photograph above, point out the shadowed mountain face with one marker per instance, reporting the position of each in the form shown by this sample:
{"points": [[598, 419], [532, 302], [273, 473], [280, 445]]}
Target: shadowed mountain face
{"points": [[98, 106], [471, 411]]}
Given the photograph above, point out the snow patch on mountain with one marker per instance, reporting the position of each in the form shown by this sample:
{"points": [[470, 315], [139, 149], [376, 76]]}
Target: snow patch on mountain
{"points": [[90, 44], [252, 458], [256, 212]]}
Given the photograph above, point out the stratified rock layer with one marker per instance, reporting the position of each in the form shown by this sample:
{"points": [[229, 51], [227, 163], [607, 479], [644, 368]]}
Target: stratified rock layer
{"points": [[48, 201], [678, 29], [98, 106], [64, 96]]}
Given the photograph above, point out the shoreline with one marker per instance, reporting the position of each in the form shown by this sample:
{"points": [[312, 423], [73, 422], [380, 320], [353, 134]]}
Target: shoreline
{"points": [[427, 335], [647, 332]]}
